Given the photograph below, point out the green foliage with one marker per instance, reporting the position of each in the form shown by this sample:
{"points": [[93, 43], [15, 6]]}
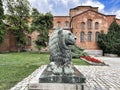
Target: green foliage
{"points": [[110, 42], [17, 17], [102, 41], [35, 13], [1, 10], [77, 51], [2, 31], [42, 23], [2, 26], [40, 42]]}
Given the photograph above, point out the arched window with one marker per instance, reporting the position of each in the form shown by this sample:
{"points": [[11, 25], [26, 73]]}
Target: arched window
{"points": [[96, 36], [66, 24], [58, 24], [82, 25], [89, 36], [96, 25], [89, 23], [82, 36]]}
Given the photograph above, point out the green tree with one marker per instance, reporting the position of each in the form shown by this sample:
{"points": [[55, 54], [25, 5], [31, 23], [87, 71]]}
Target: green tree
{"points": [[18, 15], [102, 41], [42, 23], [110, 42], [114, 37], [2, 26]]}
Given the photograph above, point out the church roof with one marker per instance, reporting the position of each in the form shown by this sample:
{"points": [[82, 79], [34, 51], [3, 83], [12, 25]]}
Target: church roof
{"points": [[83, 6], [92, 11]]}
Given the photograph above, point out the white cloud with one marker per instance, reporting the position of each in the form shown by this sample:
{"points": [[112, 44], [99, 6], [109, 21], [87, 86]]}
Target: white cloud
{"points": [[42, 5], [75, 3], [65, 3], [48, 5], [94, 3], [115, 12]]}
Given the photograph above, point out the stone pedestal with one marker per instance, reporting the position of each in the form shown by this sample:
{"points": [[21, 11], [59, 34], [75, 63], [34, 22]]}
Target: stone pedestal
{"points": [[55, 86], [49, 81], [48, 77]]}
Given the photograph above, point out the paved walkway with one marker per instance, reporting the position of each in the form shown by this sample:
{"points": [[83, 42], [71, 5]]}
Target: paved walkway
{"points": [[111, 61], [97, 78], [101, 77]]}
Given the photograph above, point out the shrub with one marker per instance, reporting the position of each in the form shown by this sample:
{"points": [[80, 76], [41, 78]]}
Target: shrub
{"points": [[77, 51]]}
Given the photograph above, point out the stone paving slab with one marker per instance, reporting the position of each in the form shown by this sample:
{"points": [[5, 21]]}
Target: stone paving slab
{"points": [[101, 77], [97, 78], [113, 62], [55, 86]]}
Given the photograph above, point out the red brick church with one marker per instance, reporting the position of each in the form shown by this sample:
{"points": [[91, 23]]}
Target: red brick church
{"points": [[84, 21]]}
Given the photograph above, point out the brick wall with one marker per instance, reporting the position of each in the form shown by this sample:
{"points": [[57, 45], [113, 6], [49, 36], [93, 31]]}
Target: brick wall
{"points": [[5, 46], [118, 21], [62, 20]]}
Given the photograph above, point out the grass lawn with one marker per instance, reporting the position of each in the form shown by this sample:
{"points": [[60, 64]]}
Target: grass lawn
{"points": [[16, 66]]}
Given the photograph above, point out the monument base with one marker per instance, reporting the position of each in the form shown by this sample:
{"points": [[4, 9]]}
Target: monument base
{"points": [[48, 77], [55, 86], [49, 81]]}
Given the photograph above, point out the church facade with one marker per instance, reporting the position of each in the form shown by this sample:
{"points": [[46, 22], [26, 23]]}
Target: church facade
{"points": [[86, 23]]}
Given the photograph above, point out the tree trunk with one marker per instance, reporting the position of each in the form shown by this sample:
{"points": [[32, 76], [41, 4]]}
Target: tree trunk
{"points": [[18, 50]]}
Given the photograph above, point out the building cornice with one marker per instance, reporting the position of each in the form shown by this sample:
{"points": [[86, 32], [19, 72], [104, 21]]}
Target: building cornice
{"points": [[83, 6], [61, 16], [117, 18], [93, 11]]}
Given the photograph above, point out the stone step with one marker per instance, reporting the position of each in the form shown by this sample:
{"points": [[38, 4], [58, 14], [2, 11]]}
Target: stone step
{"points": [[55, 86]]}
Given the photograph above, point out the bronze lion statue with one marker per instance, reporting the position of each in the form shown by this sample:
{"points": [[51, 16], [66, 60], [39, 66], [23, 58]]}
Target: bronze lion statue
{"points": [[60, 53]]}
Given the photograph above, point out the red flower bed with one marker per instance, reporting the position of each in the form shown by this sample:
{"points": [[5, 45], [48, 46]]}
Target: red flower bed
{"points": [[91, 59]]}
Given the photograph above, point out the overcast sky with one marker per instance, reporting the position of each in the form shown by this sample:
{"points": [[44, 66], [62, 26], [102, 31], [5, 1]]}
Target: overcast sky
{"points": [[61, 7]]}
